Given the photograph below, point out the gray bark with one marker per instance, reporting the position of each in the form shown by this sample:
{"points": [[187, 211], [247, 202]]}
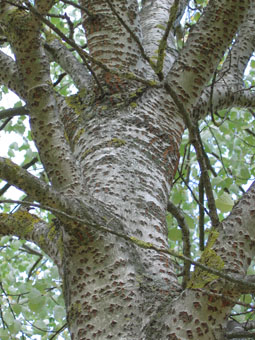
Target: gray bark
{"points": [[111, 154]]}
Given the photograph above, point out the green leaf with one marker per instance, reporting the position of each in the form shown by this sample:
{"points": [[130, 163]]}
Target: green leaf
{"points": [[175, 234], [247, 298], [8, 317], [244, 173], [252, 64], [15, 327], [41, 326], [5, 89], [11, 153], [16, 308], [35, 300], [4, 334], [234, 188], [190, 221], [224, 202], [59, 313], [37, 304]]}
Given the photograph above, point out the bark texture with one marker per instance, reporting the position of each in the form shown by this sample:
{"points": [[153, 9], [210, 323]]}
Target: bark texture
{"points": [[111, 152]]}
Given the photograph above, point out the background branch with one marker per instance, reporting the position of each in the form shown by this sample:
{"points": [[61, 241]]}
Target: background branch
{"points": [[15, 111], [179, 215]]}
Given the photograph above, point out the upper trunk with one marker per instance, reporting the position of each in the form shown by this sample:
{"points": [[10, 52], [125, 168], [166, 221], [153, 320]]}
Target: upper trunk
{"points": [[128, 157]]}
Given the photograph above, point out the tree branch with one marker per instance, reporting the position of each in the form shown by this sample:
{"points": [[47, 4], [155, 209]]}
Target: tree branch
{"points": [[224, 97], [87, 57], [15, 111], [31, 228], [108, 50], [179, 215], [43, 6], [154, 16], [228, 89], [239, 55], [26, 166], [84, 9], [173, 12], [241, 335], [23, 180], [203, 164], [188, 77], [59, 53], [132, 34], [46, 126], [9, 75], [201, 214]]}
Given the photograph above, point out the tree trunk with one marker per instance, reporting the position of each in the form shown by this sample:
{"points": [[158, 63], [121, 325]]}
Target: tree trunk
{"points": [[128, 158], [111, 153]]}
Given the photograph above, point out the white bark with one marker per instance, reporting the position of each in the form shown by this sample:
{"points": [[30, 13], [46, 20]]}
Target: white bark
{"points": [[111, 160]]}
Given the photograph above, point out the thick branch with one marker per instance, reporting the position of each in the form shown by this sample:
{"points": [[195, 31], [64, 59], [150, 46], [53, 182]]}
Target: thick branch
{"points": [[132, 34], [31, 185], [25, 166], [241, 335], [154, 16], [224, 97], [117, 229], [69, 63], [228, 89], [9, 75], [237, 236], [108, 39], [46, 126], [43, 6], [231, 246], [31, 228], [95, 61], [205, 47], [239, 56], [175, 14]]}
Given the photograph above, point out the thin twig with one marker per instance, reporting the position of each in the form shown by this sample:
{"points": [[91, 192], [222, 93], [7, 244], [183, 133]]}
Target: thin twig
{"points": [[201, 220], [7, 298], [33, 268], [220, 152], [203, 160], [60, 77], [179, 215], [5, 123], [61, 329], [91, 15], [192, 193], [81, 53]]}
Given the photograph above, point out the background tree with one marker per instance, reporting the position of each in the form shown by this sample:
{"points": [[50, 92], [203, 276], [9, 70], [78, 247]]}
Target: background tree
{"points": [[127, 106]]}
